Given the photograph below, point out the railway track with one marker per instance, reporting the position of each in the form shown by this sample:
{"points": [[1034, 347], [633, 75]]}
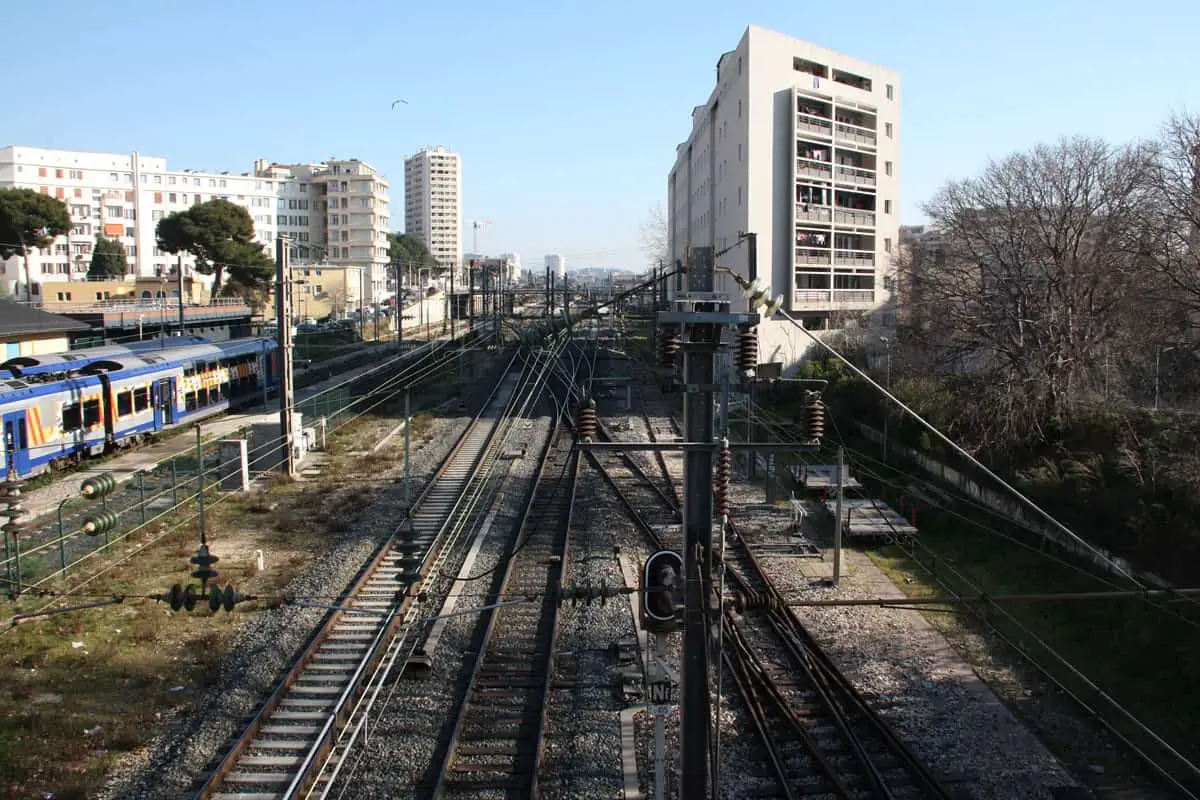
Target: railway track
{"points": [[820, 737], [286, 744], [821, 734], [495, 748]]}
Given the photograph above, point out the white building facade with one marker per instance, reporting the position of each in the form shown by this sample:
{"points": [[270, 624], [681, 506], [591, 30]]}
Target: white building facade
{"points": [[557, 265], [433, 203], [123, 197], [799, 145]]}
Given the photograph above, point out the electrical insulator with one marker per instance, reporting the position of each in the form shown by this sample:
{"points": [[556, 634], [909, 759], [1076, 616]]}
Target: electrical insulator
{"points": [[814, 417], [586, 423], [669, 347], [11, 508], [100, 523], [721, 487], [204, 561], [225, 598], [99, 486], [747, 352], [754, 601]]}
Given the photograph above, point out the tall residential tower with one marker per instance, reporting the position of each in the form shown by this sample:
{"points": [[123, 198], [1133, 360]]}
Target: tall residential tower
{"points": [[799, 145], [433, 202]]}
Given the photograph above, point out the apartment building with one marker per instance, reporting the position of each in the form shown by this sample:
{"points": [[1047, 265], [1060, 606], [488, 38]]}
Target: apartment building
{"points": [[341, 215], [799, 145], [557, 265], [123, 196], [433, 202]]}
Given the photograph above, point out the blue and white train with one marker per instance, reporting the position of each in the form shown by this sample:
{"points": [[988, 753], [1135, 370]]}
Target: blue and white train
{"points": [[34, 368], [120, 399]]}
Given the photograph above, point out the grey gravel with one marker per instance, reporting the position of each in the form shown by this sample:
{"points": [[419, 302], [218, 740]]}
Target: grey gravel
{"points": [[936, 703], [169, 764], [399, 759]]}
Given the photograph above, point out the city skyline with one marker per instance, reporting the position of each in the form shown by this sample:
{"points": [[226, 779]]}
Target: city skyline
{"points": [[571, 159]]}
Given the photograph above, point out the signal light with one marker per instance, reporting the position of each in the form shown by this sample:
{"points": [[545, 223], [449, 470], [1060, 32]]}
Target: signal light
{"points": [[662, 590]]}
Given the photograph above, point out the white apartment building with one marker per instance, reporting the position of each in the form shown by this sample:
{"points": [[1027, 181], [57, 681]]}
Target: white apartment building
{"points": [[433, 202], [123, 196], [349, 222], [799, 145], [557, 265]]}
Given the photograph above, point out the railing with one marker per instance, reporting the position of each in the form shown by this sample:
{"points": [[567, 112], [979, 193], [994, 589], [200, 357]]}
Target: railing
{"points": [[856, 175], [820, 214], [853, 258], [807, 257], [809, 298], [808, 124], [857, 135], [141, 304], [806, 169], [855, 217]]}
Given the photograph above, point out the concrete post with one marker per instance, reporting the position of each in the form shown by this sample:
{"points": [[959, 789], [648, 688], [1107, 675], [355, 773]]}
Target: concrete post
{"points": [[235, 466]]}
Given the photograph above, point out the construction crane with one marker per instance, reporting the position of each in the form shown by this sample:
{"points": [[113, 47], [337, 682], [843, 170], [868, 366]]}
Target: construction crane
{"points": [[475, 226]]}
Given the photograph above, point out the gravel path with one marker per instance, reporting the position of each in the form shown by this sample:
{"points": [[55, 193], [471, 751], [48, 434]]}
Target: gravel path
{"points": [[398, 760], [168, 765]]}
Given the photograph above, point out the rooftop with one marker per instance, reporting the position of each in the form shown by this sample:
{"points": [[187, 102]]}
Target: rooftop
{"points": [[17, 319]]}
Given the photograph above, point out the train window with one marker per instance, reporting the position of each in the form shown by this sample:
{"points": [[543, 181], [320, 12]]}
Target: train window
{"points": [[71, 418], [188, 372], [189, 401], [141, 399], [124, 404], [91, 413]]}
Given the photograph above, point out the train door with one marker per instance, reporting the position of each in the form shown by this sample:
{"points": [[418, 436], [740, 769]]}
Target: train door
{"points": [[16, 442], [164, 403]]}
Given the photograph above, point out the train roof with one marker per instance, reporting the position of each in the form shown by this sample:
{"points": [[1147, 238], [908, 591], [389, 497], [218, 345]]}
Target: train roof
{"points": [[181, 355], [67, 361]]}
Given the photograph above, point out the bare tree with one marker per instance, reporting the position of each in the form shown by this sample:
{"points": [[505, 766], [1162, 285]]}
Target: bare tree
{"points": [[1173, 218], [1040, 254], [655, 236]]}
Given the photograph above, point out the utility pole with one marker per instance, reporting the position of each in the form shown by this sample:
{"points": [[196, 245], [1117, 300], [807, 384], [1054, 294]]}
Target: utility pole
{"points": [[180, 268], [450, 309], [698, 377], [839, 510], [407, 439], [471, 296], [283, 315]]}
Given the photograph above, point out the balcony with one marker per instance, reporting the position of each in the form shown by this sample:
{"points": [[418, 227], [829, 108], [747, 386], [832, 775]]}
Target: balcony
{"points": [[853, 258], [861, 177], [814, 126], [813, 214], [811, 169], [851, 133], [807, 255], [836, 298], [857, 218]]}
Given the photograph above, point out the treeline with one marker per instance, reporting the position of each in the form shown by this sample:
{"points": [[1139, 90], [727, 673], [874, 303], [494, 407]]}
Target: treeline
{"points": [[1048, 322]]}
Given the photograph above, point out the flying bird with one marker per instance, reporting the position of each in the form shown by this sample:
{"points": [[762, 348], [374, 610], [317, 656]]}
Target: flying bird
{"points": [[399, 101]]}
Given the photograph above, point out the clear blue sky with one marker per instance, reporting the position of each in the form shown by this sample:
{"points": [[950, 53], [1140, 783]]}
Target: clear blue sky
{"points": [[566, 114]]}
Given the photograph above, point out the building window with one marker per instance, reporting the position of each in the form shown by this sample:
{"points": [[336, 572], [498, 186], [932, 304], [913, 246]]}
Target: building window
{"points": [[887, 129], [887, 245], [739, 109], [890, 92], [739, 196], [130, 232], [887, 206], [887, 167]]}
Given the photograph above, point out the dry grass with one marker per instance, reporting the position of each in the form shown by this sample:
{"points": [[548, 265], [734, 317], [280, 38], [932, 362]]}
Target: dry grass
{"points": [[86, 687]]}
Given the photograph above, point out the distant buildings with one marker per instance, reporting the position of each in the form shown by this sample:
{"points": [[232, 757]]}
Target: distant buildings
{"points": [[799, 145], [557, 265], [433, 203], [335, 211]]}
